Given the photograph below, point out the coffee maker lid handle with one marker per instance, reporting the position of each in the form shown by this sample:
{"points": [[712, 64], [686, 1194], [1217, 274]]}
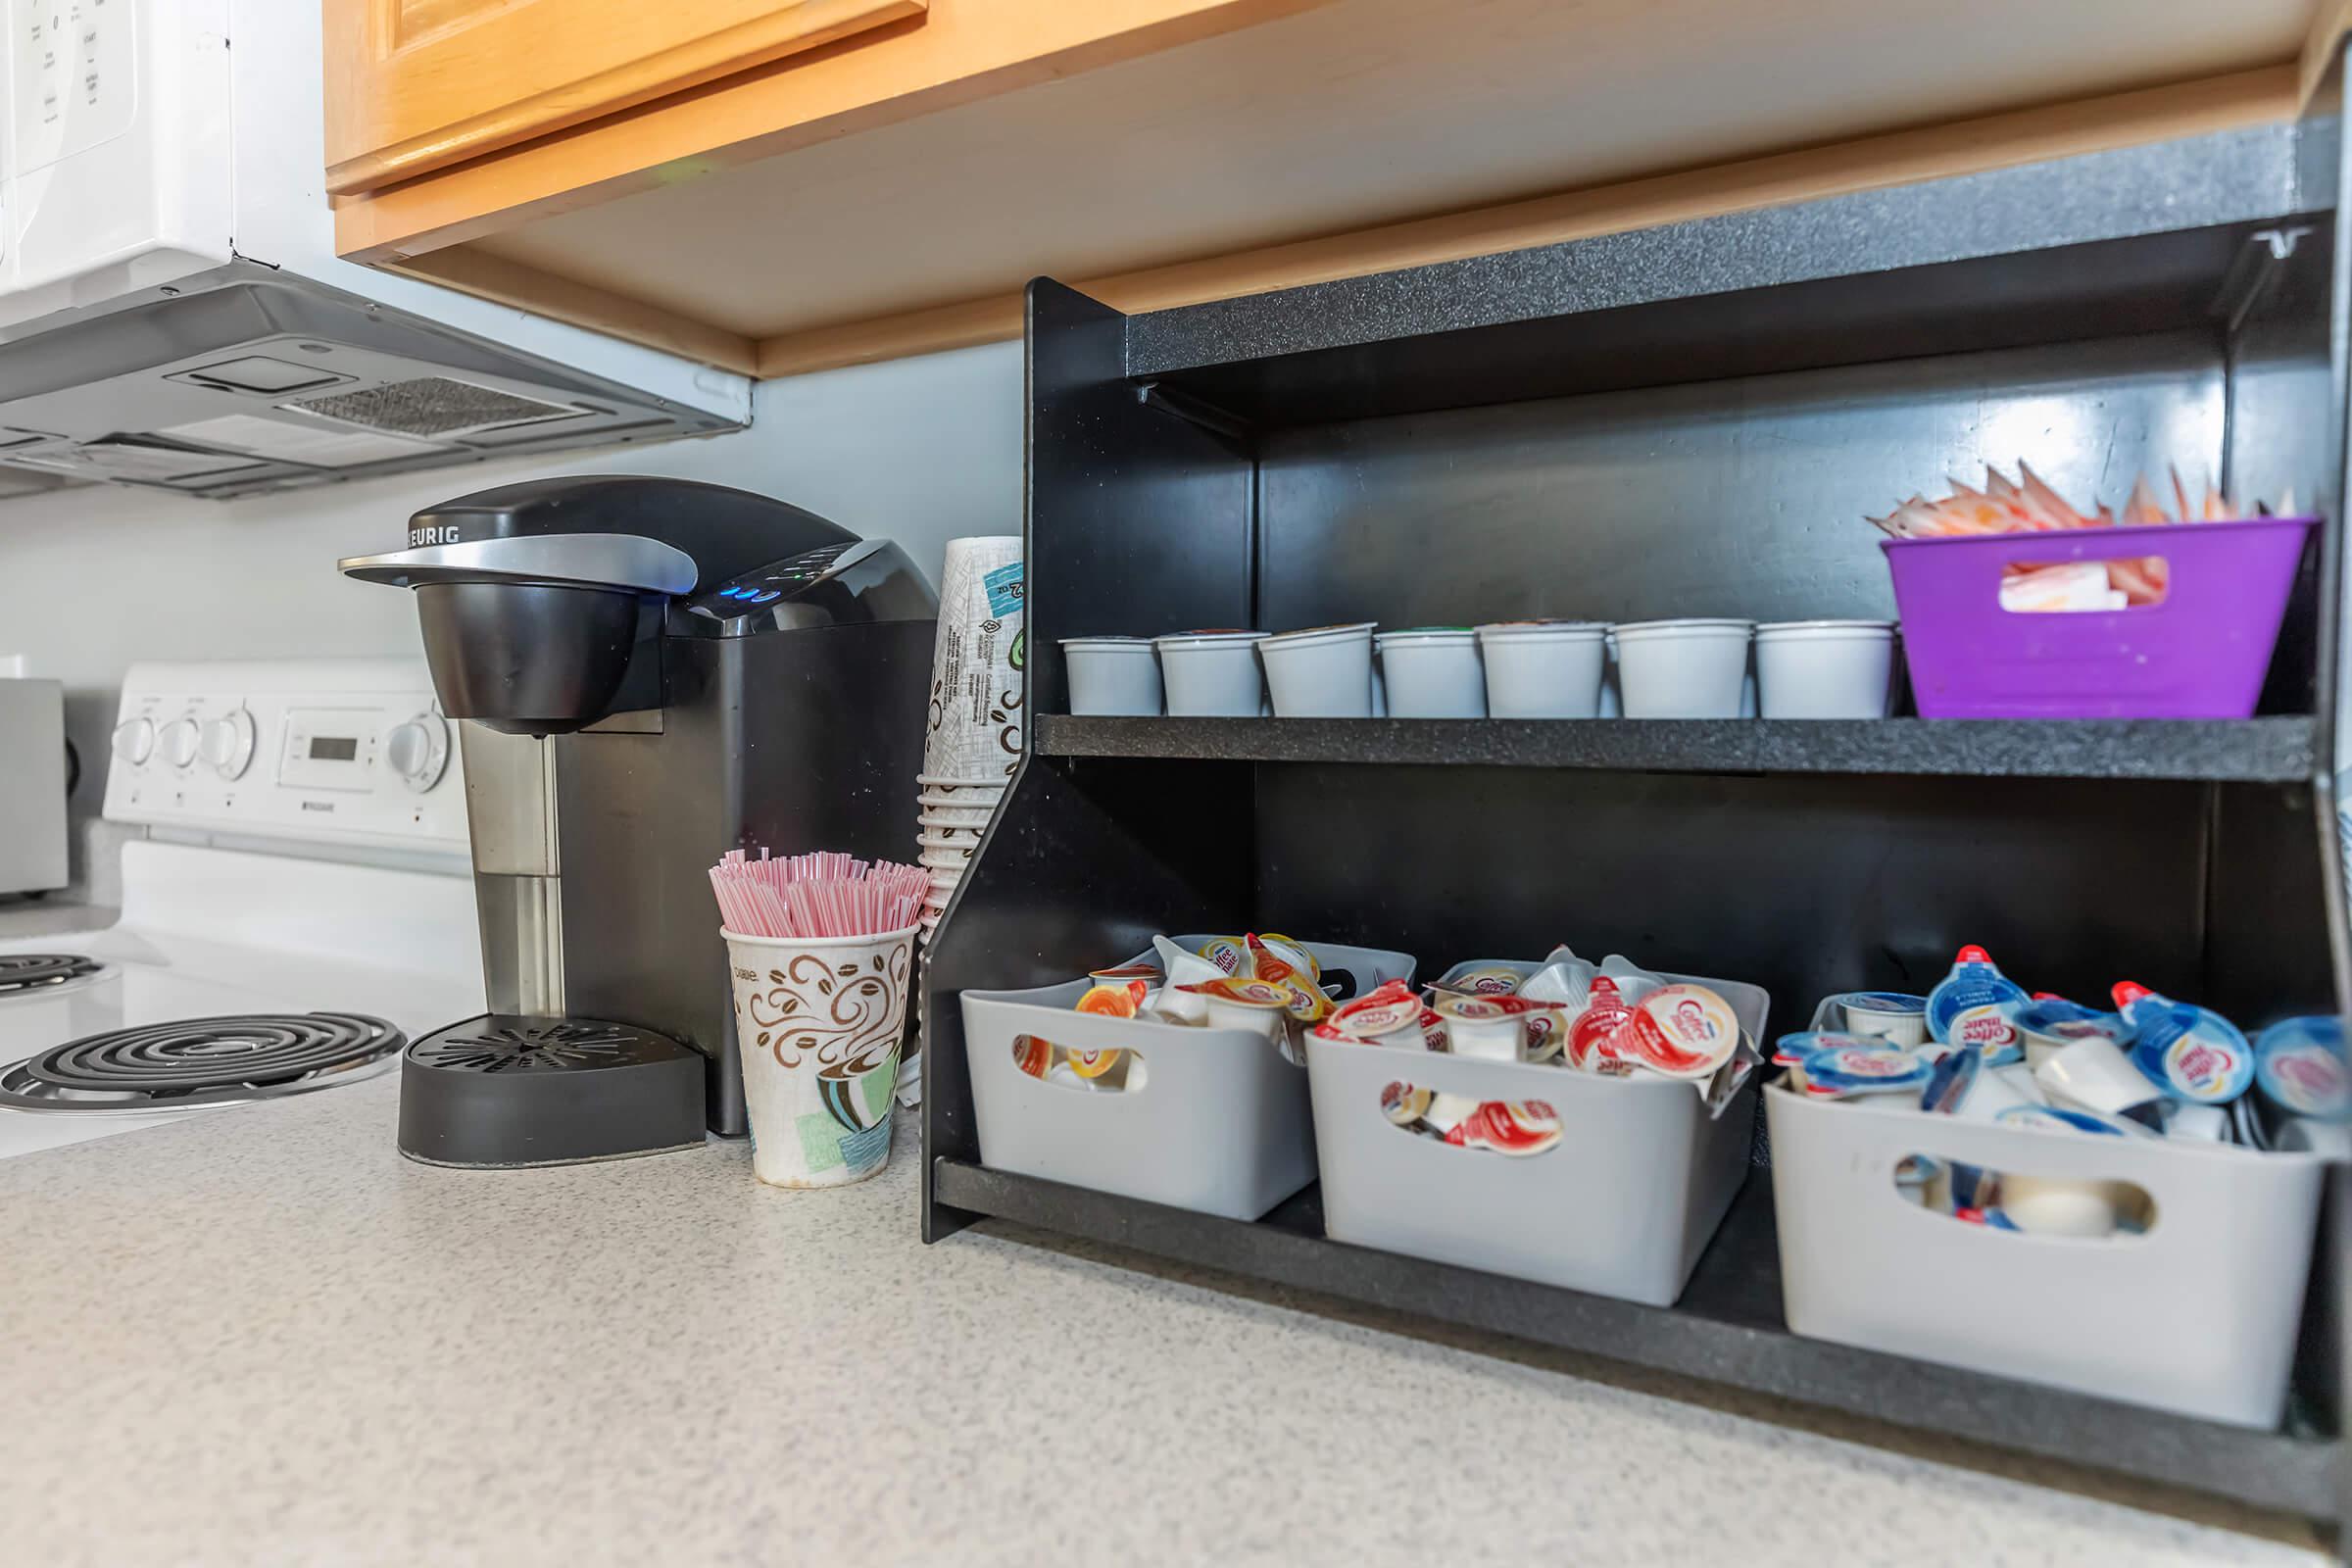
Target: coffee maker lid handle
{"points": [[593, 559]]}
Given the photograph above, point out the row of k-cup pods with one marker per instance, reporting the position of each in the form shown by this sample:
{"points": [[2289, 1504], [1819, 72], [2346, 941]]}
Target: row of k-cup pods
{"points": [[1980, 1048], [1509, 669]]}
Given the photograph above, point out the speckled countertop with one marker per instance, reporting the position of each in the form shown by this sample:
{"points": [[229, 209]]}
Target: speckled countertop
{"points": [[262, 1338]]}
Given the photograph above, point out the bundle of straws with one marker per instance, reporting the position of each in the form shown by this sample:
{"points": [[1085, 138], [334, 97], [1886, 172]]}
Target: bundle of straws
{"points": [[820, 894]]}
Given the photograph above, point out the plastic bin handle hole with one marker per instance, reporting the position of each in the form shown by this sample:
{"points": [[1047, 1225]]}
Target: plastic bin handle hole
{"points": [[1520, 1128], [2069, 1209], [2086, 587], [1113, 1070]]}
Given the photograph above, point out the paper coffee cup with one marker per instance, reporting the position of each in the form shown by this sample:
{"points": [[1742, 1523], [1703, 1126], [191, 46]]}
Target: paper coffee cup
{"points": [[819, 1023], [978, 668]]}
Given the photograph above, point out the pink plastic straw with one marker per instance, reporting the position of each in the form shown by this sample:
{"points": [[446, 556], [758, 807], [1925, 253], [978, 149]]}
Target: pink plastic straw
{"points": [[826, 894]]}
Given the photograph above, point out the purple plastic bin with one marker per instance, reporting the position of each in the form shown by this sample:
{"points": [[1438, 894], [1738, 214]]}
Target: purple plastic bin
{"points": [[2201, 654]]}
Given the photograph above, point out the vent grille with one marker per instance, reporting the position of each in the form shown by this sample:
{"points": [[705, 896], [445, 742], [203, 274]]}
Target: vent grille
{"points": [[431, 405]]}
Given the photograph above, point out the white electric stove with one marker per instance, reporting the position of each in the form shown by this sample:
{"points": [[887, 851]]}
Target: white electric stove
{"points": [[303, 906]]}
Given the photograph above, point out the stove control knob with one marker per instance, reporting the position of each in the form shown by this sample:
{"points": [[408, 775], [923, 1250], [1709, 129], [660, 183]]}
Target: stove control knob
{"points": [[179, 741], [418, 750], [227, 744], [134, 741]]}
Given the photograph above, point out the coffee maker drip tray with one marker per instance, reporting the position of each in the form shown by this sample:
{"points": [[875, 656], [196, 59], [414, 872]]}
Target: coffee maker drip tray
{"points": [[505, 1090]]}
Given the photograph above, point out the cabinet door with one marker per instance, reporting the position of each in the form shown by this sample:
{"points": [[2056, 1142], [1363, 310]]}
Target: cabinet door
{"points": [[414, 85]]}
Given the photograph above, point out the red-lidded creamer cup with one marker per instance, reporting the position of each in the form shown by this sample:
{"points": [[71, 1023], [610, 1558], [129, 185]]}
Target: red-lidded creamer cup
{"points": [[1683, 1031]]}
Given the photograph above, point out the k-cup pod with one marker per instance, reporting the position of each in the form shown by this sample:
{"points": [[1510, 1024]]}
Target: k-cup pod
{"points": [[1492, 1028], [2046, 1025], [1894, 1016], [2193, 1051], [2299, 1066], [1112, 675], [1325, 672], [1824, 669], [2096, 1075], [1683, 1031], [1682, 668], [1974, 984], [1844, 1072], [1543, 669], [1251, 1004], [1212, 674], [1433, 672]]}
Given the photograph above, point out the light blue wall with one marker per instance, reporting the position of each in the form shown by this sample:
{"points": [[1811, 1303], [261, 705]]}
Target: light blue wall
{"points": [[919, 449]]}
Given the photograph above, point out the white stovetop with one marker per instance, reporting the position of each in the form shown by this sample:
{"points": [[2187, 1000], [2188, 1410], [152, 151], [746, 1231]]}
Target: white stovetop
{"points": [[206, 932]]}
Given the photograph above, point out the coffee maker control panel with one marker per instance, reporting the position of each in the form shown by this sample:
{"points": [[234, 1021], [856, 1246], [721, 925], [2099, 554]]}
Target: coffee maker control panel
{"points": [[340, 751]]}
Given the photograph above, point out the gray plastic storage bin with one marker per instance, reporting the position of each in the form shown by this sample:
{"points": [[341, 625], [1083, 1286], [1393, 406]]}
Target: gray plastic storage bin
{"points": [[1622, 1205], [1221, 1124]]}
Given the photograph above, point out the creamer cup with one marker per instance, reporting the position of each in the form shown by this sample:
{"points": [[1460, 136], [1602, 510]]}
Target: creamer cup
{"points": [[1836, 1072], [1183, 969], [2097, 1075], [1974, 983], [2065, 1119], [2193, 1051], [2000, 1089], [1791, 1050], [1683, 1031], [1589, 1032], [1445, 1112], [1491, 1028], [1516, 1128], [1252, 1004], [1898, 1018], [1401, 1102], [2046, 1025], [1388, 1014], [1483, 979], [1951, 1081], [2300, 1066], [1231, 955]]}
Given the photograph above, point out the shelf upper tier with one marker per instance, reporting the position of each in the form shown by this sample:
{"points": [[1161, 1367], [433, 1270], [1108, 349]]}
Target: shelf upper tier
{"points": [[2139, 239], [2257, 751]]}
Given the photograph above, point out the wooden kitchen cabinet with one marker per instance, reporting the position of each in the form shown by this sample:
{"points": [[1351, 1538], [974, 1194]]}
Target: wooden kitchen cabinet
{"points": [[770, 207], [415, 85]]}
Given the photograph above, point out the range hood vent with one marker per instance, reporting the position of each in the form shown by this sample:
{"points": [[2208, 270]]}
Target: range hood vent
{"points": [[245, 379], [433, 405]]}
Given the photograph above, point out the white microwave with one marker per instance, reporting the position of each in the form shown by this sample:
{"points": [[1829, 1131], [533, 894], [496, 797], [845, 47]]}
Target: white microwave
{"points": [[172, 310]]}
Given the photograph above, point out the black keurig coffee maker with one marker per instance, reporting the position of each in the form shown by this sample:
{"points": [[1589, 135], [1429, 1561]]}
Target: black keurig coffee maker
{"points": [[653, 672]]}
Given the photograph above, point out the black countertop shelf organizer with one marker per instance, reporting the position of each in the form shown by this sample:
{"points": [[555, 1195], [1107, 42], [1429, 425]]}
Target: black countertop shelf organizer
{"points": [[1690, 420]]}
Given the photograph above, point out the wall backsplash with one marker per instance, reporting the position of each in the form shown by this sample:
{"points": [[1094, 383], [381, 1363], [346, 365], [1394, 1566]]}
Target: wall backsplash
{"points": [[919, 451]]}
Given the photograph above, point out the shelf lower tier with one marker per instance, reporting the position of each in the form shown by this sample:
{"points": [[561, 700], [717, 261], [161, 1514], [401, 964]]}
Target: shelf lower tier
{"points": [[2282, 749], [1727, 1330]]}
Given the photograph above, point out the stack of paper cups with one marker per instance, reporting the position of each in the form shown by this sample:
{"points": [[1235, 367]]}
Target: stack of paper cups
{"points": [[979, 717], [977, 671]]}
